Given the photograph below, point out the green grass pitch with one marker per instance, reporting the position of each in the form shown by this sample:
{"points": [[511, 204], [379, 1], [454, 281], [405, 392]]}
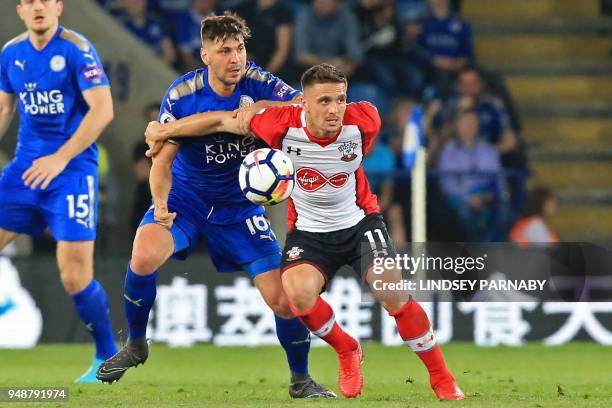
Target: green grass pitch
{"points": [[575, 375]]}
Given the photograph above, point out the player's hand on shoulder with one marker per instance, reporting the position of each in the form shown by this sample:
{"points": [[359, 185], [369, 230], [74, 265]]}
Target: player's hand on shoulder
{"points": [[44, 170], [157, 132], [161, 214], [245, 115], [155, 135]]}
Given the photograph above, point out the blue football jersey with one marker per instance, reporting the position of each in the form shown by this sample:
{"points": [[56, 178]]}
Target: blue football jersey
{"points": [[49, 85], [208, 166]]}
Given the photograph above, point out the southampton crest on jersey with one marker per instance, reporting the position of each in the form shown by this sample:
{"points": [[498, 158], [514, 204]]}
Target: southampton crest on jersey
{"points": [[348, 151]]}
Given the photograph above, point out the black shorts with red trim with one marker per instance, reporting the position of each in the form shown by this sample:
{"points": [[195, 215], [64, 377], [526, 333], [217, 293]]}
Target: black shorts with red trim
{"points": [[356, 246]]}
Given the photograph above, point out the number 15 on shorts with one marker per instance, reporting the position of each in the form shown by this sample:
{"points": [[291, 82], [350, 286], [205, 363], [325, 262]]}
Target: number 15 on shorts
{"points": [[79, 208]]}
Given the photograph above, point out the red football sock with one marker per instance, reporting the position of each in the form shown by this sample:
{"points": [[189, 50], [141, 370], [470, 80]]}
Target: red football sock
{"points": [[415, 329], [320, 320]]}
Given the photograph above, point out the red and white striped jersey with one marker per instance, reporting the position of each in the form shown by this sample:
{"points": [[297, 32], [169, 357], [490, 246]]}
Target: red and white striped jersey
{"points": [[331, 192]]}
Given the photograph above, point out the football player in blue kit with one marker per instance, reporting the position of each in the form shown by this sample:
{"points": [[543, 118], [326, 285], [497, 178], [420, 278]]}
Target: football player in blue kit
{"points": [[196, 197], [55, 77]]}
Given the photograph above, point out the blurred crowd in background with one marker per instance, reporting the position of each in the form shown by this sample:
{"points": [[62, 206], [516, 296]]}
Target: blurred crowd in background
{"points": [[414, 60], [403, 56]]}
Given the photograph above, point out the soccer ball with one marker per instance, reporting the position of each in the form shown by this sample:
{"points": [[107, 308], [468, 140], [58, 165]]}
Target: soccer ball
{"points": [[266, 176]]}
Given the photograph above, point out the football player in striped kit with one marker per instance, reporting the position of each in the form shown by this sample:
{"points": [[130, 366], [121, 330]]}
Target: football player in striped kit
{"points": [[333, 217]]}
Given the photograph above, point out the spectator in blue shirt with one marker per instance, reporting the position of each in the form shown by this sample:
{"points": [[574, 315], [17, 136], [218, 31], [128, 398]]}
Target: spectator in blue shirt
{"points": [[148, 29], [188, 32], [446, 39], [470, 176], [328, 32], [494, 122]]}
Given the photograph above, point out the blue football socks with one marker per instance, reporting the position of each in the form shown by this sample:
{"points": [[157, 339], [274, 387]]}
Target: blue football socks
{"points": [[295, 339], [139, 296], [92, 306]]}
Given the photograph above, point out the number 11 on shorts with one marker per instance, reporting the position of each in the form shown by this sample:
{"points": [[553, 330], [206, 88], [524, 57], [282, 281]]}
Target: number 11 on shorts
{"points": [[370, 236]]}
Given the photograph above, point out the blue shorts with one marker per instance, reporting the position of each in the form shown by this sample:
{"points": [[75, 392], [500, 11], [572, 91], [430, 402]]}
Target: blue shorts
{"points": [[69, 205], [248, 244]]}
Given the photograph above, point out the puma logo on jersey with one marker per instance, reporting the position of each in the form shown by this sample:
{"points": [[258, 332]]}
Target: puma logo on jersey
{"points": [[170, 103], [20, 64]]}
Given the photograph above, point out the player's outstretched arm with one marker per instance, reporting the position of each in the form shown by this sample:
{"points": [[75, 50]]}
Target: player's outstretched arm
{"points": [[246, 113], [201, 124], [197, 125], [8, 103], [160, 181], [100, 114]]}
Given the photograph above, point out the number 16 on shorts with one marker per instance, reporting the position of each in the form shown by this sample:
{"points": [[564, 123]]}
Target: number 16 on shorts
{"points": [[259, 224]]}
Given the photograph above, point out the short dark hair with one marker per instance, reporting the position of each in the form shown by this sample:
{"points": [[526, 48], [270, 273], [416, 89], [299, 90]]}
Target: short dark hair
{"points": [[322, 74], [538, 196], [223, 27], [470, 68]]}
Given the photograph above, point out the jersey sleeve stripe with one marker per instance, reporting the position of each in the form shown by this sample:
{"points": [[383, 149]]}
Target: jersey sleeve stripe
{"points": [[74, 38], [187, 87], [257, 75], [21, 37]]}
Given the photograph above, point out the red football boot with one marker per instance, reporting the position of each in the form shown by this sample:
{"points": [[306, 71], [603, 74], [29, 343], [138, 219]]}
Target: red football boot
{"points": [[350, 378], [446, 388]]}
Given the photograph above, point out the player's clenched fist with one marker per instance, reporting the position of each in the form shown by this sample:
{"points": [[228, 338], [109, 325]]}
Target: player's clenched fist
{"points": [[155, 135], [161, 214], [157, 132]]}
